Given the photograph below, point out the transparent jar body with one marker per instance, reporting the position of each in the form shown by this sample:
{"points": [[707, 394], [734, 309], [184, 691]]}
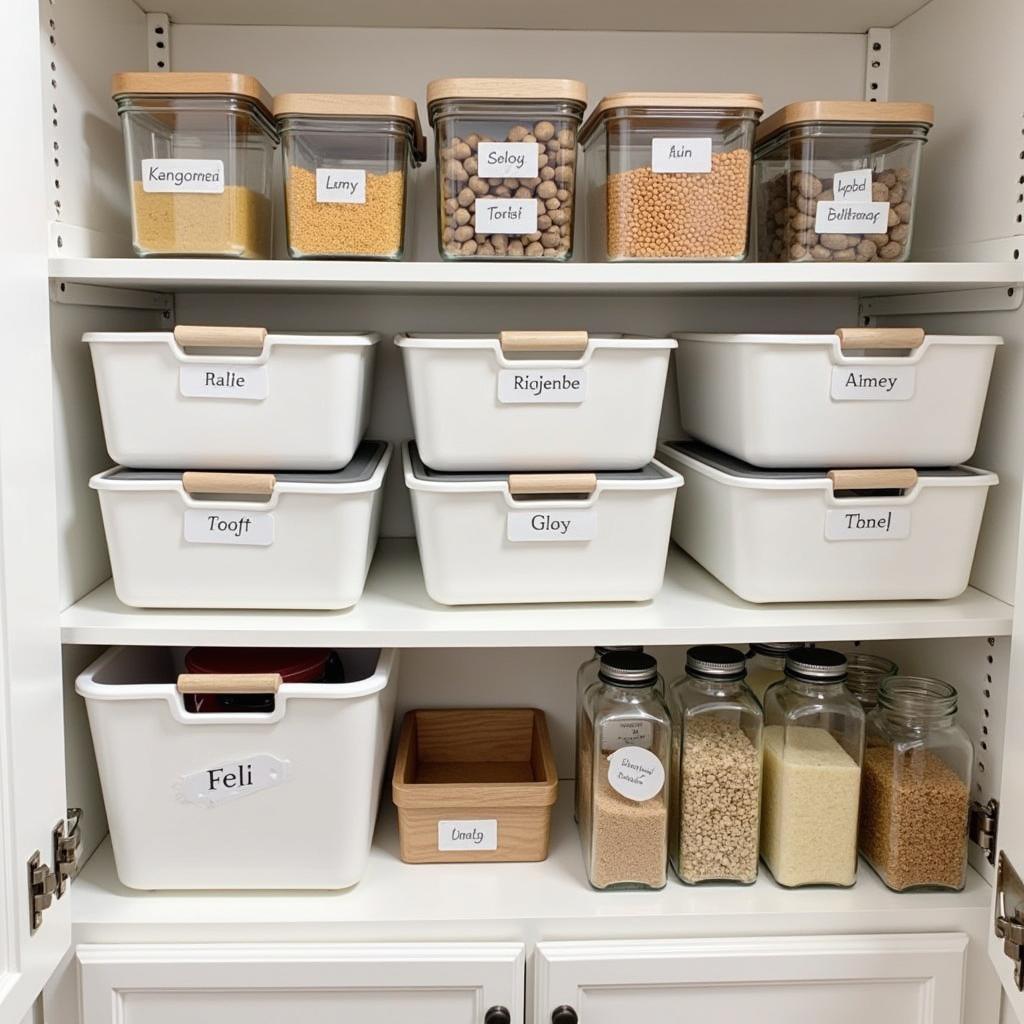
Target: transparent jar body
{"points": [[625, 837], [715, 798], [813, 751], [794, 173], [865, 674], [218, 203], [506, 216], [637, 212], [362, 209], [763, 671]]}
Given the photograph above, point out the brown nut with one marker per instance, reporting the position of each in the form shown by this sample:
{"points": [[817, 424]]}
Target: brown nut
{"points": [[890, 251], [516, 248], [835, 243], [517, 133], [461, 216], [544, 130], [807, 184]]}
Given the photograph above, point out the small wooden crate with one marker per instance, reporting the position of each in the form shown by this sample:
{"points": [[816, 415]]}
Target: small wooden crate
{"points": [[481, 780]]}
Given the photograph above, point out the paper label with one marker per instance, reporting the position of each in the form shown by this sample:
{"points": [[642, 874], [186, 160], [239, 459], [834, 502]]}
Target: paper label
{"points": [[183, 176], [867, 524], [616, 735], [506, 216], [241, 776], [333, 185], [851, 218], [681, 156], [479, 834], [223, 380], [876, 383], [542, 386], [636, 774], [852, 186], [507, 159], [229, 526], [553, 525]]}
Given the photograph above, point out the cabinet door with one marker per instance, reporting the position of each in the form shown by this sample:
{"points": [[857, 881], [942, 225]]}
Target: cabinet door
{"points": [[841, 979], [358, 983]]}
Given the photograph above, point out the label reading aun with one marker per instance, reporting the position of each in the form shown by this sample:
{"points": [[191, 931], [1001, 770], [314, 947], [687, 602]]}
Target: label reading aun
{"points": [[681, 156], [229, 526], [635, 773], [536, 386], [851, 218], [873, 383], [617, 735], [507, 159], [223, 380], [334, 185], [867, 524], [183, 176], [506, 216], [553, 525], [479, 834], [242, 776]]}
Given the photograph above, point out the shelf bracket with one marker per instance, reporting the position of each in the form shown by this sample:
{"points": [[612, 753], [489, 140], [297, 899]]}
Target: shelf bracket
{"points": [[69, 293], [968, 300], [876, 65], [158, 34]]}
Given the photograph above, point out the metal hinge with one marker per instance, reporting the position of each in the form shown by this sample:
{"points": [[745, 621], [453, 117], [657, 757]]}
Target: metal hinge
{"points": [[41, 885], [1009, 922], [67, 840], [983, 826]]}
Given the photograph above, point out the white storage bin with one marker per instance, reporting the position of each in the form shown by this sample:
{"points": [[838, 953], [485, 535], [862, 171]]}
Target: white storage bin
{"points": [[285, 799], [535, 400], [243, 540], [844, 535], [859, 397], [233, 397], [495, 538]]}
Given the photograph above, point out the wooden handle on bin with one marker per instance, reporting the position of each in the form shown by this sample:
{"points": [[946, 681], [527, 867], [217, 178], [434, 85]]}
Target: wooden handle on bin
{"points": [[251, 682], [261, 484], [220, 337], [543, 341], [872, 479], [879, 337], [552, 483]]}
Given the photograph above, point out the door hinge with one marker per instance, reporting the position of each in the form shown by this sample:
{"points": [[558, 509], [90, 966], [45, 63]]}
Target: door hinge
{"points": [[983, 827], [1009, 922], [67, 840], [42, 883]]}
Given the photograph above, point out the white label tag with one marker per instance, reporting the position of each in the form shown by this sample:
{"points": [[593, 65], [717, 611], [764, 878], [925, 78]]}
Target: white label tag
{"points": [[681, 156], [886, 383], [229, 526], [506, 216], [223, 380], [852, 186], [183, 176], [617, 735], [507, 159], [554, 524], [242, 776], [334, 185], [852, 218], [542, 386], [468, 835], [635, 773], [867, 524]]}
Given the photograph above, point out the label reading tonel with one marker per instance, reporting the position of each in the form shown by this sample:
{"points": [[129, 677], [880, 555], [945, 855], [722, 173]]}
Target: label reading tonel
{"points": [[507, 159], [867, 524], [555, 524], [229, 526], [241, 776], [852, 186], [617, 735], [873, 384], [681, 156], [506, 216], [334, 185], [851, 218], [223, 380], [565, 387], [479, 834], [635, 773], [183, 176]]}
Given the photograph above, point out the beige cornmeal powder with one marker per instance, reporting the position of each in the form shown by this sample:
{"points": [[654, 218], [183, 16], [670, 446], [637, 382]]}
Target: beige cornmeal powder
{"points": [[629, 838], [373, 228], [235, 222]]}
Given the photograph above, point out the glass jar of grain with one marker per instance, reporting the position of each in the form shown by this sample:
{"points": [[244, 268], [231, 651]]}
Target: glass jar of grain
{"points": [[915, 797], [766, 664], [813, 749], [626, 750], [865, 673], [715, 795]]}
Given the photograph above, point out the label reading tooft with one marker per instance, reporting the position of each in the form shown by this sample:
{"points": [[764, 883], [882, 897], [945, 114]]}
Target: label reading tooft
{"points": [[867, 524], [565, 387], [507, 159], [241, 776], [506, 216], [635, 773], [556, 524], [334, 185], [183, 176], [681, 156], [229, 526], [477, 834], [223, 381], [873, 384]]}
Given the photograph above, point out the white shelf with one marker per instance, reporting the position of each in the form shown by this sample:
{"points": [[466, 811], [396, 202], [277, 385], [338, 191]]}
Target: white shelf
{"points": [[396, 611]]}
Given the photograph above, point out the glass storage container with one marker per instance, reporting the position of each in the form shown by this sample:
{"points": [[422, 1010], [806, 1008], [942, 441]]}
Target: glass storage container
{"points": [[348, 161], [668, 175], [506, 165], [864, 674], [915, 798], [624, 830], [715, 791], [200, 150], [766, 664], [813, 749], [837, 180]]}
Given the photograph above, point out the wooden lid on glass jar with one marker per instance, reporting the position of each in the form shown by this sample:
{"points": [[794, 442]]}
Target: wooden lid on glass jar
{"points": [[639, 102], [566, 89], [191, 83], [845, 112]]}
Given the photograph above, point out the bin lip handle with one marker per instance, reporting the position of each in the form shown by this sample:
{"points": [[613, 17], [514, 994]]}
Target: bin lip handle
{"points": [[873, 479], [186, 336], [543, 341], [259, 484], [552, 483], [879, 337], [241, 682]]}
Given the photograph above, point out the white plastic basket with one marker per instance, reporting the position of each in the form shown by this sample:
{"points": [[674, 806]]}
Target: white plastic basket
{"points": [[285, 799], [535, 400], [490, 538], [859, 397], [243, 540], [233, 397], [844, 535]]}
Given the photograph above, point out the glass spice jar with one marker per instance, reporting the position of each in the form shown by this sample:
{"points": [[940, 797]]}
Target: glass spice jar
{"points": [[864, 674], [766, 664]]}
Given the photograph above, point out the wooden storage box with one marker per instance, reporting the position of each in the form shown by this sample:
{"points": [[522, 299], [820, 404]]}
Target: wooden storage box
{"points": [[474, 785]]}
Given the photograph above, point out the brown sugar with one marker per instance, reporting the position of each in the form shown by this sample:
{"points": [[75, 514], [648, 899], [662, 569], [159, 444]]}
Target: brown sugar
{"points": [[629, 839]]}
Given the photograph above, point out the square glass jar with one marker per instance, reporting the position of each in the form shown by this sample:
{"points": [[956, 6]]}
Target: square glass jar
{"points": [[506, 165], [668, 176], [200, 150], [836, 181], [347, 166]]}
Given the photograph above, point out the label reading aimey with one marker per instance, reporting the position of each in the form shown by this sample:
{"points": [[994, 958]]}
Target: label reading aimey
{"points": [[183, 176], [507, 159], [552, 525], [241, 776], [334, 185], [532, 387], [229, 526], [876, 383], [479, 834], [867, 524], [224, 380], [506, 216], [681, 156]]}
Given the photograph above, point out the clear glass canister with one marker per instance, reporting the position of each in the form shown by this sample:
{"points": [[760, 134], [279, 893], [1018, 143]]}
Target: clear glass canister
{"points": [[668, 175], [865, 673], [813, 749], [766, 664], [715, 792], [625, 834], [837, 181], [348, 161], [506, 165], [915, 798], [200, 151]]}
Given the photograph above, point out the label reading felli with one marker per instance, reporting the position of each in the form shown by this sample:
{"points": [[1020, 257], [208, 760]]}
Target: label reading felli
{"points": [[242, 776], [183, 176], [635, 773], [506, 216], [681, 156], [867, 524], [616, 735], [557, 524], [852, 186], [479, 834], [229, 526], [507, 159], [873, 384], [834, 218], [532, 387], [334, 185], [223, 381]]}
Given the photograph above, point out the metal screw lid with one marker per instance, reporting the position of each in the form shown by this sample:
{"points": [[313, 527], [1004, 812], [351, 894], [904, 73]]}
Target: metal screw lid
{"points": [[628, 668], [816, 665], [714, 661], [779, 650], [608, 648]]}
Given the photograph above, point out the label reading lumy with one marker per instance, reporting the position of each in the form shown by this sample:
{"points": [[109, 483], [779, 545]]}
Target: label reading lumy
{"points": [[616, 735], [506, 216], [851, 218], [852, 186], [481, 834], [229, 526], [873, 384], [223, 380], [183, 176], [334, 185], [867, 524], [681, 156], [507, 159], [565, 387], [553, 525], [241, 776], [635, 773]]}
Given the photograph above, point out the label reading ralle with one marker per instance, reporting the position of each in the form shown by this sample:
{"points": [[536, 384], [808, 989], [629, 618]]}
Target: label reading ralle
{"points": [[223, 380]]}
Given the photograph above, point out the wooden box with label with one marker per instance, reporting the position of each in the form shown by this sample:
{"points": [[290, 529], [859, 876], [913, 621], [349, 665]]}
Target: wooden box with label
{"points": [[474, 785]]}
